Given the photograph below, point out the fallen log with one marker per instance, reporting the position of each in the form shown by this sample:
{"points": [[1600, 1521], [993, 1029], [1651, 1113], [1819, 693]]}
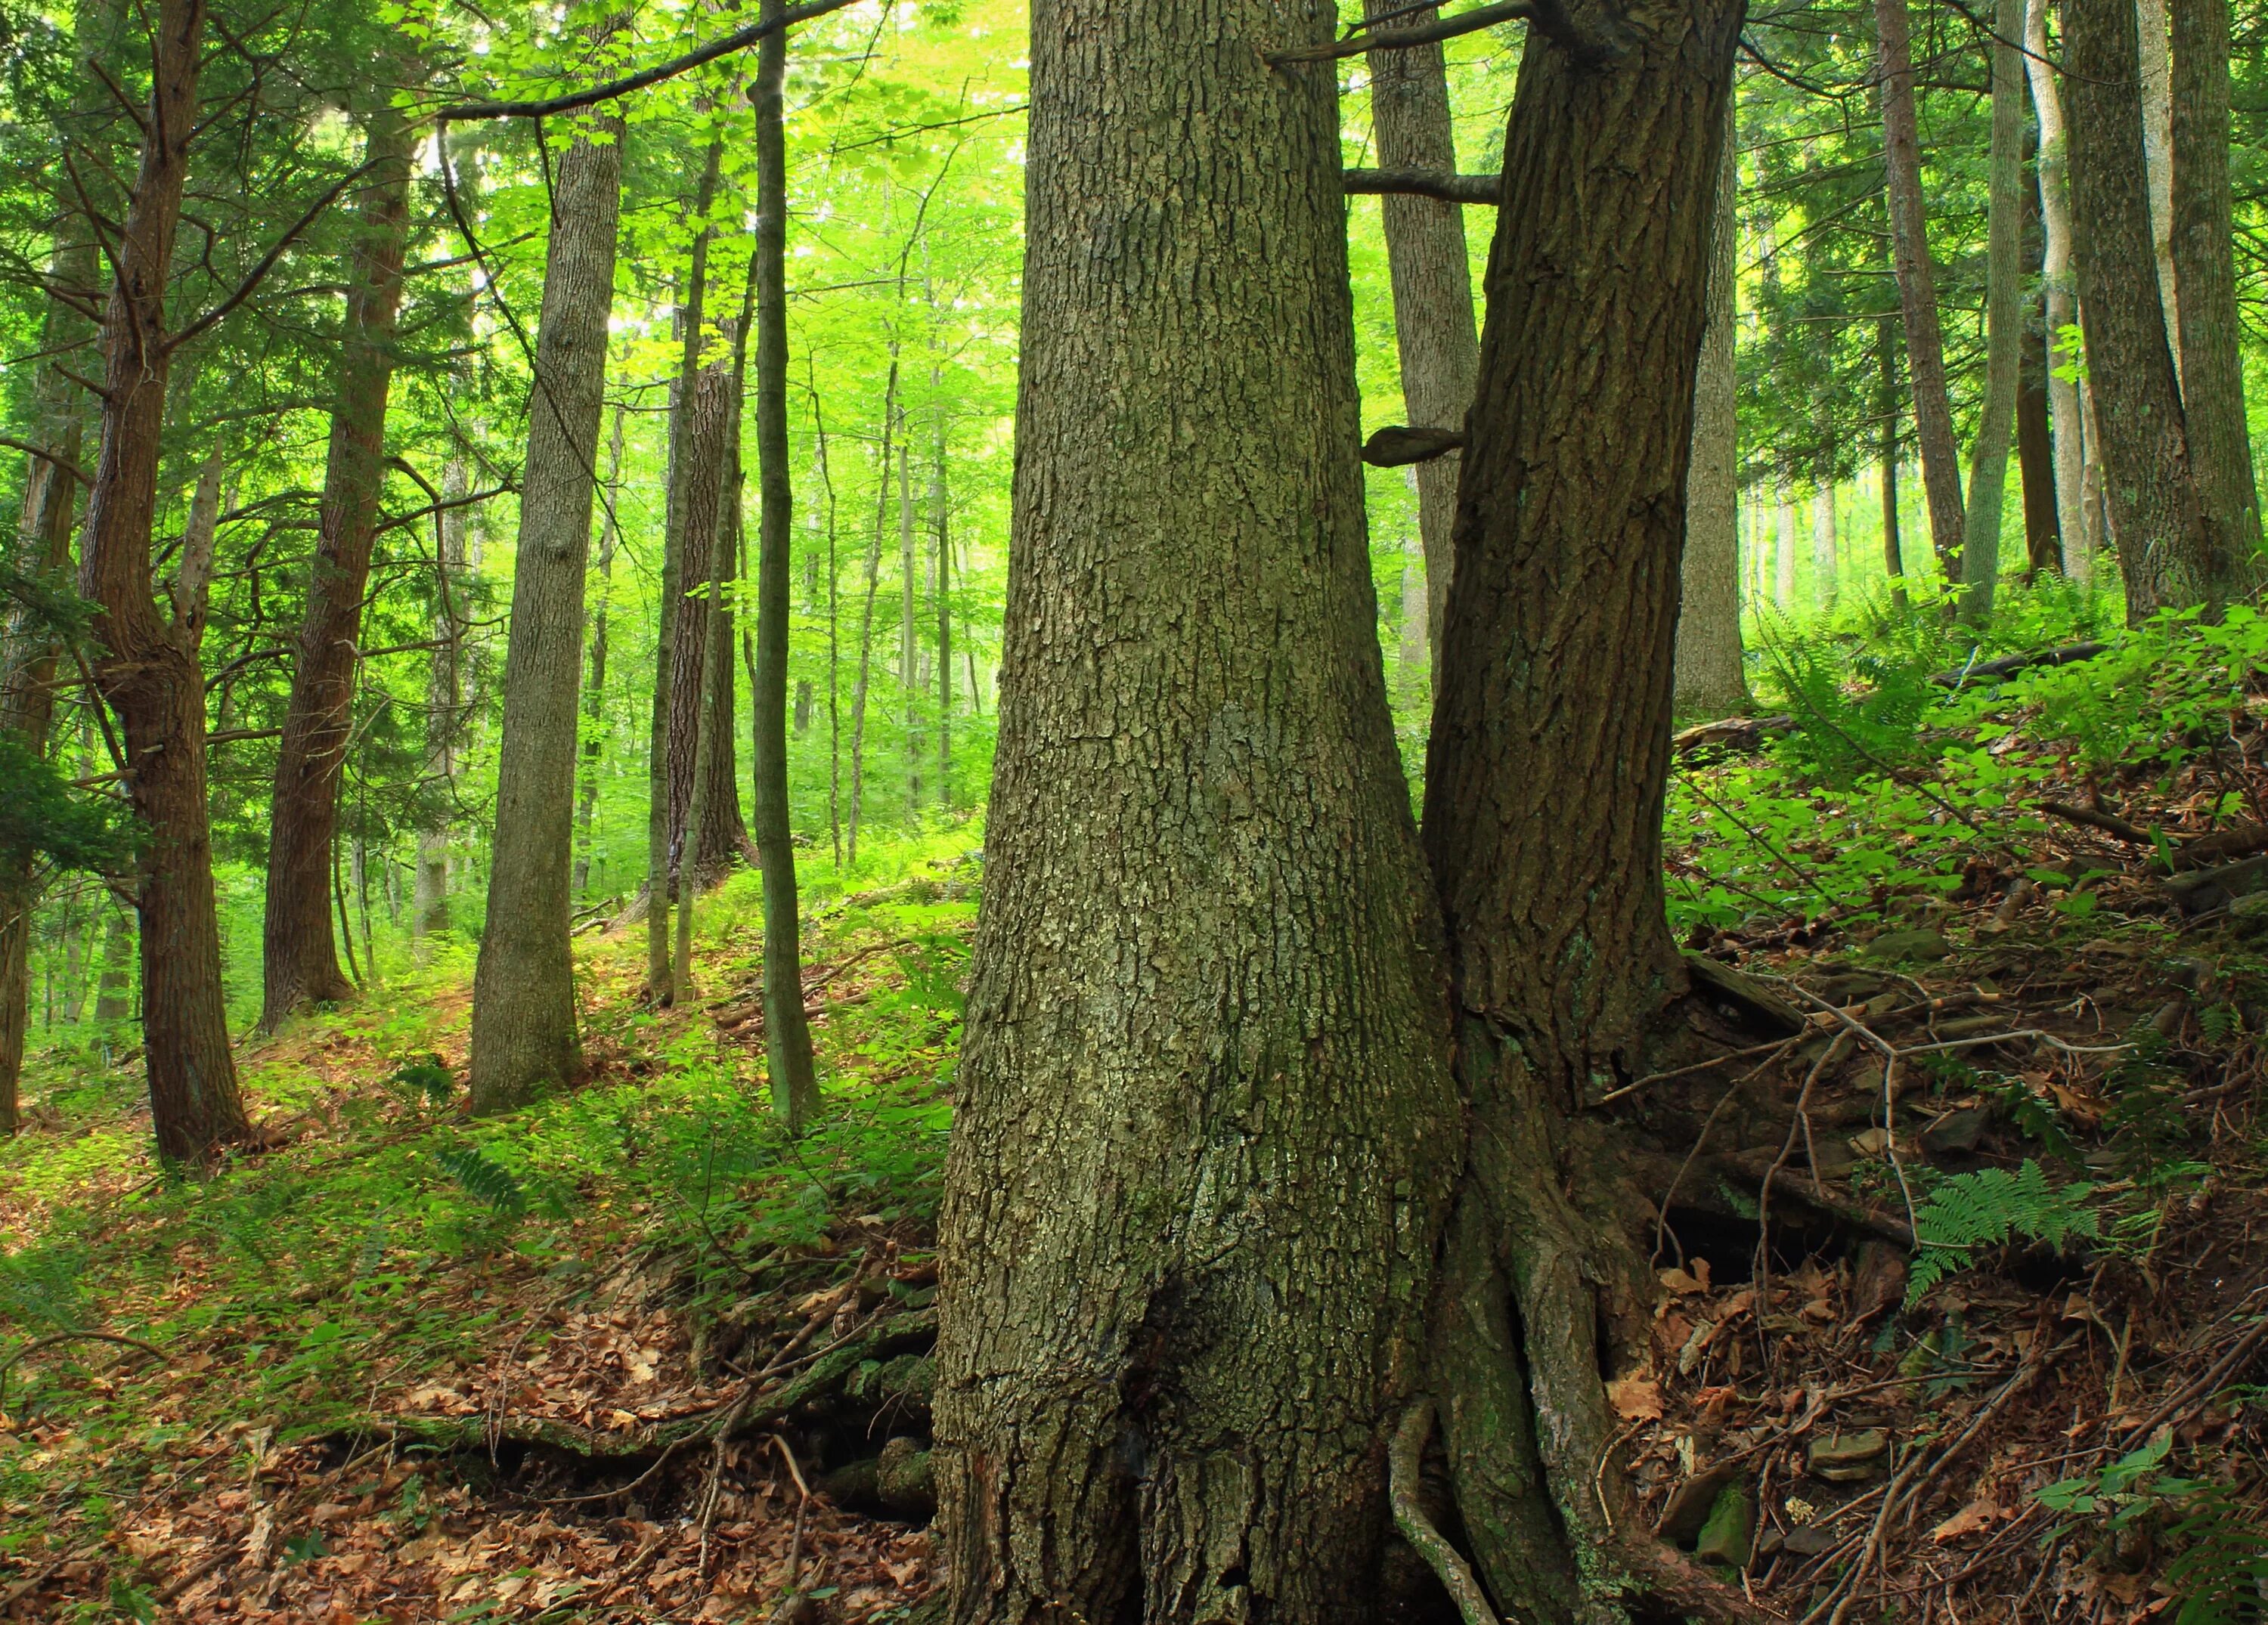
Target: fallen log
{"points": [[2009, 666]]}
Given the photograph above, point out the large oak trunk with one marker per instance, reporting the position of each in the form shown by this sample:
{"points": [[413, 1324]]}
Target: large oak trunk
{"points": [[1204, 1125], [524, 1031], [299, 957], [1545, 780], [2165, 553], [706, 549], [148, 671]]}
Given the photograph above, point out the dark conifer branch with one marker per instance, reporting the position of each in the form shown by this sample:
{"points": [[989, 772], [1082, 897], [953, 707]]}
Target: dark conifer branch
{"points": [[739, 39], [1424, 183], [1403, 39]]}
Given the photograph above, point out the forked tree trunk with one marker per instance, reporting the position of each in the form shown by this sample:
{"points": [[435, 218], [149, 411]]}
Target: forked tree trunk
{"points": [[299, 959], [1711, 680], [2165, 554], [1204, 1032], [2058, 294], [444, 711], [524, 1034], [148, 671], [2003, 319], [1545, 780], [787, 1032], [1427, 263], [2212, 368], [1940, 455]]}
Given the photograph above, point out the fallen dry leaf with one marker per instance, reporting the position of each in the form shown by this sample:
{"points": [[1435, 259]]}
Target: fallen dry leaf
{"points": [[1636, 1399]]}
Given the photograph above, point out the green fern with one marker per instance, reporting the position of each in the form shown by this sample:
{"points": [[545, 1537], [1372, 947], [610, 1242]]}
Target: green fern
{"points": [[481, 1177], [1990, 1208], [424, 1076]]}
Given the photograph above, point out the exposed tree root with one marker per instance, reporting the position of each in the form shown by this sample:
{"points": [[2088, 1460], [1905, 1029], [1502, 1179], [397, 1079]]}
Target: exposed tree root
{"points": [[1455, 1574]]}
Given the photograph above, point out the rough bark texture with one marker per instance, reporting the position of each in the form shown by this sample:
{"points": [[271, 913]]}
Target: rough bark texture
{"points": [[444, 711], [2004, 318], [1710, 679], [524, 1035], [148, 671], [1205, 1125], [661, 827], [1941, 456], [2035, 456], [1427, 263], [2058, 294], [1544, 783], [706, 549], [1886, 456], [787, 1032], [2164, 553], [299, 959], [2211, 370]]}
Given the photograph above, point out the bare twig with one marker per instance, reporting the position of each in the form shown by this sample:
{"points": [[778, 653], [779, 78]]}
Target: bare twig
{"points": [[55, 1338]]}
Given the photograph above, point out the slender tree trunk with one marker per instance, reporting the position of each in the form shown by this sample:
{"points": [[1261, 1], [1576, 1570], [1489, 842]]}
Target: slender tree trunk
{"points": [[2004, 319], [1204, 1027], [2152, 44], [524, 1032], [716, 673], [2036, 460], [834, 643], [594, 685], [2212, 368], [149, 671], [299, 963], [866, 620], [2164, 551], [2058, 293], [1783, 545], [1711, 680], [661, 748], [1545, 780], [112, 1002], [787, 1033], [942, 522], [1823, 563], [445, 702], [1432, 279], [1941, 456], [910, 683]]}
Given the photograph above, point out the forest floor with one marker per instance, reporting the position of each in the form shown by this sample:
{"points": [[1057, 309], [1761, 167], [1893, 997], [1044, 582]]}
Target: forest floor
{"points": [[1961, 1233]]}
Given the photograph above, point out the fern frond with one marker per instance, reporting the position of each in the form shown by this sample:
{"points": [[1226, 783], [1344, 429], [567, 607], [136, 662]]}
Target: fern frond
{"points": [[481, 1177], [1990, 1208]]}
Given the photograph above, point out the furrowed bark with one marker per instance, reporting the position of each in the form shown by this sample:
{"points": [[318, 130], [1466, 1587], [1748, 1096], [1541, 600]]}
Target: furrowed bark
{"points": [[1197, 1167], [1941, 456], [299, 959], [1544, 785], [1431, 280], [2165, 553], [1711, 680], [662, 825], [787, 1031], [2203, 249], [148, 671], [524, 1034], [2003, 316], [1886, 455], [710, 420]]}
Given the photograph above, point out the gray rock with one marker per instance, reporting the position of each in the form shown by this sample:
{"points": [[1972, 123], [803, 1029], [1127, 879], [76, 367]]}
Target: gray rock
{"points": [[1920, 943], [1731, 1529], [1956, 1131], [1848, 1458], [1688, 1507]]}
